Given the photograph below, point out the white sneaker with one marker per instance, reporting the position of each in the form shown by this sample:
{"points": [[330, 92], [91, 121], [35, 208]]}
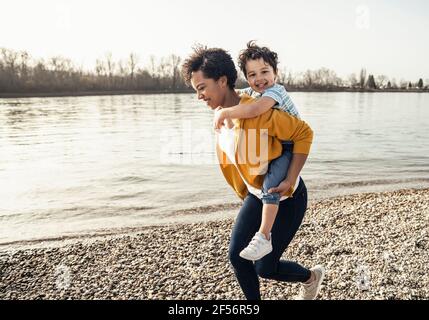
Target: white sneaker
{"points": [[257, 248], [311, 290]]}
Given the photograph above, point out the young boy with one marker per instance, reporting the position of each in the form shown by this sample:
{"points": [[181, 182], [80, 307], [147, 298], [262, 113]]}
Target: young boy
{"points": [[259, 65]]}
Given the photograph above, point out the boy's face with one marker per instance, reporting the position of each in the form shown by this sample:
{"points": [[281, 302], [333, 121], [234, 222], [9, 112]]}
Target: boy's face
{"points": [[260, 75], [209, 90]]}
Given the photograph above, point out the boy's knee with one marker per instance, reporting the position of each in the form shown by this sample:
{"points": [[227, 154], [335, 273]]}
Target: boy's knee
{"points": [[271, 198]]}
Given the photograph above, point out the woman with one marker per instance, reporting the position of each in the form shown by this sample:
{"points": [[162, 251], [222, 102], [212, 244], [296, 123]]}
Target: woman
{"points": [[212, 74]]}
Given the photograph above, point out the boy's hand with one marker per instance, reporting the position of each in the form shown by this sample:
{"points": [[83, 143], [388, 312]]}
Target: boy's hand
{"points": [[219, 118], [284, 188]]}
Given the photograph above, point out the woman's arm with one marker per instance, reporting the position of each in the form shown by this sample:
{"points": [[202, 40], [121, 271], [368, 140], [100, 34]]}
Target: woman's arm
{"points": [[296, 165], [286, 127], [243, 111]]}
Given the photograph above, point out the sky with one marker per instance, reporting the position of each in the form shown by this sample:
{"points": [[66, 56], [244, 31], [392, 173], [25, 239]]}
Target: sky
{"points": [[384, 36]]}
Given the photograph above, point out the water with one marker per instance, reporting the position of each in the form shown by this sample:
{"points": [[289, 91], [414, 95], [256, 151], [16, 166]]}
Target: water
{"points": [[73, 166]]}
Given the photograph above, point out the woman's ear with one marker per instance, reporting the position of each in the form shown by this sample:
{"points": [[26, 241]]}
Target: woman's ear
{"points": [[223, 81]]}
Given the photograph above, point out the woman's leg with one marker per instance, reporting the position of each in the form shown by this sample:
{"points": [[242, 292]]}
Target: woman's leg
{"points": [[245, 227], [289, 218]]}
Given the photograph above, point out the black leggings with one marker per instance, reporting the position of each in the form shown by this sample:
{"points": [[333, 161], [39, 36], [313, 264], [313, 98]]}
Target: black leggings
{"points": [[288, 219]]}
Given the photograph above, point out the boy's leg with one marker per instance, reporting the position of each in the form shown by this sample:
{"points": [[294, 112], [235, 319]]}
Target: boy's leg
{"points": [[277, 172], [261, 242], [269, 212]]}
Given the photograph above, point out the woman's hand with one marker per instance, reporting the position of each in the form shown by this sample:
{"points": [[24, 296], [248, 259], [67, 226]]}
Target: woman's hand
{"points": [[284, 188], [219, 118]]}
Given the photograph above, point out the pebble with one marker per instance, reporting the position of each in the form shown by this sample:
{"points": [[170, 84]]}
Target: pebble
{"points": [[374, 246]]}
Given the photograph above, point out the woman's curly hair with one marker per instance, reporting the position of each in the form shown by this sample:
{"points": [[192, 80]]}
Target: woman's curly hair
{"points": [[254, 52], [213, 62]]}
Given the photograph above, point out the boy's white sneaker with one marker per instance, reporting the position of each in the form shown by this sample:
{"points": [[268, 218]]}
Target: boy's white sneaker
{"points": [[311, 290], [257, 248]]}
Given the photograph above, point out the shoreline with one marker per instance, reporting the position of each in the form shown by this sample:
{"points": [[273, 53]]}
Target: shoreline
{"points": [[139, 92], [185, 217], [374, 246], [201, 214]]}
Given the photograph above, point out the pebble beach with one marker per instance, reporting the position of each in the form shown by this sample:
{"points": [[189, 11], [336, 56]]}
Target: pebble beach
{"points": [[373, 245]]}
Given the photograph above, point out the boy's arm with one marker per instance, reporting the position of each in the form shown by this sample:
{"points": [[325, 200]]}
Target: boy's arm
{"points": [[243, 111]]}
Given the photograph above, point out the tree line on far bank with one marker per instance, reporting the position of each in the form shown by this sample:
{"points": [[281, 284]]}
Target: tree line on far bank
{"points": [[22, 74]]}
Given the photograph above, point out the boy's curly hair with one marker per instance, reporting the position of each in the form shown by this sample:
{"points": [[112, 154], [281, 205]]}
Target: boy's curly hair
{"points": [[213, 62], [254, 52]]}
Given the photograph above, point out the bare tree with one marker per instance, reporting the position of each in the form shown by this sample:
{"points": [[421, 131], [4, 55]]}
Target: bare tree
{"points": [[290, 81], [381, 80], [25, 58], [10, 60], [241, 81], [362, 78], [59, 64], [152, 66], [122, 69], [20, 73], [100, 68], [281, 75], [308, 78], [352, 80], [403, 84], [132, 63], [371, 82], [162, 73], [175, 73], [110, 67]]}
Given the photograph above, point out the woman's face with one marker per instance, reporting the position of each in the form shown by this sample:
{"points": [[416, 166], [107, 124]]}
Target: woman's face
{"points": [[211, 91], [260, 75]]}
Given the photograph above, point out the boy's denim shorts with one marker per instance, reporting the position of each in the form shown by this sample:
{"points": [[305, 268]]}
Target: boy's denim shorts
{"points": [[277, 172]]}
